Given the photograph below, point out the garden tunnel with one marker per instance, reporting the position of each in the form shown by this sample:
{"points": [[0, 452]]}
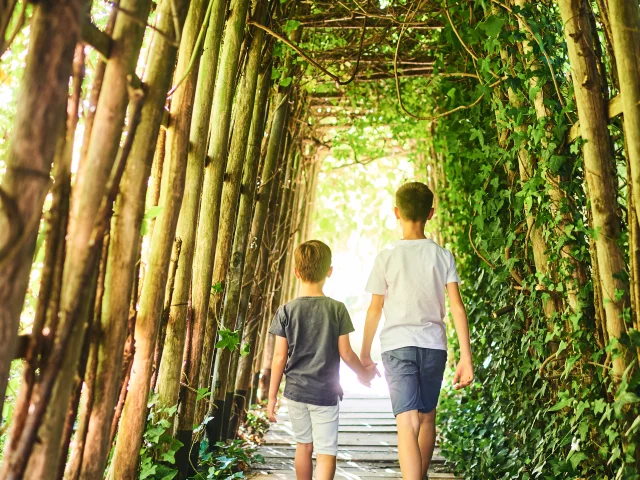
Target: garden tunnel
{"points": [[160, 159]]}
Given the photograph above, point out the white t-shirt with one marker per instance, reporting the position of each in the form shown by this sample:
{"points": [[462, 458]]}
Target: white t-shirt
{"points": [[412, 275]]}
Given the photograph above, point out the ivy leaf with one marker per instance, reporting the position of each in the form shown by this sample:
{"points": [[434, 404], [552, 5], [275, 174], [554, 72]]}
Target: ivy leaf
{"points": [[290, 26], [576, 459], [217, 287], [561, 404], [228, 339], [203, 393], [493, 26], [634, 426], [244, 351], [285, 82]]}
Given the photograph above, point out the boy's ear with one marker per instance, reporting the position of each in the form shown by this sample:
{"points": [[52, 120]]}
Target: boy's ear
{"points": [[431, 214], [396, 211], [296, 273], [330, 272]]}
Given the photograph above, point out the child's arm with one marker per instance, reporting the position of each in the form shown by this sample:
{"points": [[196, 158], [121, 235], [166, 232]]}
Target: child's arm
{"points": [[374, 314], [365, 374], [280, 353], [464, 370]]}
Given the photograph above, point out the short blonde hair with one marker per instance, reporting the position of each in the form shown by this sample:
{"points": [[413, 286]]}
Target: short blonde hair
{"points": [[312, 259]]}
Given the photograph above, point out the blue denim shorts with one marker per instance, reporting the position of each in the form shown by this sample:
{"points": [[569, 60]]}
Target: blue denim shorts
{"points": [[414, 376]]}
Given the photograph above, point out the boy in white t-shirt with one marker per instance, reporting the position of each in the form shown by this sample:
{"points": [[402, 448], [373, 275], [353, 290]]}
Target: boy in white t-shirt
{"points": [[409, 280]]}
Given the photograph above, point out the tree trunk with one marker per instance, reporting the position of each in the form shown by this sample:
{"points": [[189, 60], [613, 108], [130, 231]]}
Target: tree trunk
{"points": [[624, 16], [40, 116], [211, 198], [216, 406], [599, 168], [170, 363], [71, 321], [170, 373], [84, 388], [125, 248], [228, 212]]}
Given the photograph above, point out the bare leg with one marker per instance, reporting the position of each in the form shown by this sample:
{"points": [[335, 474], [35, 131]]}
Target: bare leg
{"points": [[408, 449], [325, 466], [427, 439], [302, 462]]}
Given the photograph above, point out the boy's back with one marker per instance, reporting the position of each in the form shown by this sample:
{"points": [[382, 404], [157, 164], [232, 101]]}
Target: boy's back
{"points": [[408, 282], [413, 275], [312, 335], [312, 326]]}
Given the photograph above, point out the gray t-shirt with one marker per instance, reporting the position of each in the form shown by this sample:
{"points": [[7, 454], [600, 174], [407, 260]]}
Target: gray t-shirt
{"points": [[312, 326]]}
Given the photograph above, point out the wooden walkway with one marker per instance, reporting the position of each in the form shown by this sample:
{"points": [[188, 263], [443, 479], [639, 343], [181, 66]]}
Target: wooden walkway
{"points": [[368, 443]]}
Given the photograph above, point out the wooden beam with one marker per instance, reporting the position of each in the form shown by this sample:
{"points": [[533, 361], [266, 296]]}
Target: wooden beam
{"points": [[614, 109], [96, 38], [355, 21], [102, 43]]}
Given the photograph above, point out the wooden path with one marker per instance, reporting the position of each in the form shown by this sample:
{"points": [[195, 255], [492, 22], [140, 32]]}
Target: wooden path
{"points": [[368, 444]]}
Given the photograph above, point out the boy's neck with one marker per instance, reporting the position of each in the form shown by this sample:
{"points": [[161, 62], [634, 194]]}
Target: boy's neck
{"points": [[311, 289], [413, 230]]}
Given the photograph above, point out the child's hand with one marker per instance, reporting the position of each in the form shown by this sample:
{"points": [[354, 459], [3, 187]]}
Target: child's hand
{"points": [[370, 373], [464, 374], [271, 410], [366, 361]]}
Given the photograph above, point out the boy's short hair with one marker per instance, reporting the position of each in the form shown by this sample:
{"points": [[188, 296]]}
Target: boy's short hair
{"points": [[312, 259], [415, 201]]}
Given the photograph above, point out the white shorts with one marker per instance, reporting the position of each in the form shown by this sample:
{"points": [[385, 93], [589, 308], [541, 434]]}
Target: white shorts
{"points": [[315, 424]]}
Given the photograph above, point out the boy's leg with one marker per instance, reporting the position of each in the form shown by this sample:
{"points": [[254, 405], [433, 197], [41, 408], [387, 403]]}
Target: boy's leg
{"points": [[301, 425], [402, 374], [427, 439], [303, 462], [325, 439], [408, 447], [432, 364], [325, 466]]}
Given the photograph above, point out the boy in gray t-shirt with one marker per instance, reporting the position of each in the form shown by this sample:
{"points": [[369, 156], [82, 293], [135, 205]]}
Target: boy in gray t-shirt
{"points": [[409, 280], [312, 334]]}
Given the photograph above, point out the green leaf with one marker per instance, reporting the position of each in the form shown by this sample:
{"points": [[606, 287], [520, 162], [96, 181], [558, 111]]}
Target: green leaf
{"points": [[561, 404], [576, 459], [153, 212], [285, 82], [228, 339], [634, 426], [245, 350], [290, 26], [493, 26], [217, 287]]}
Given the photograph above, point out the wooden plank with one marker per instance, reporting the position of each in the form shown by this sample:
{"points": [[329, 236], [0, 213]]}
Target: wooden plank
{"points": [[360, 427], [350, 474], [366, 421], [364, 415], [371, 455], [346, 439]]}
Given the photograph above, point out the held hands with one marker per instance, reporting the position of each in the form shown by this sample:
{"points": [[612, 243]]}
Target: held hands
{"points": [[464, 374], [370, 373], [271, 409]]}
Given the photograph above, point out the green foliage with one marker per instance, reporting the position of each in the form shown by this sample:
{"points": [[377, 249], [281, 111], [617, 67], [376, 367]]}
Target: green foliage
{"points": [[230, 339], [217, 287], [544, 404], [255, 425], [226, 460], [157, 455]]}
